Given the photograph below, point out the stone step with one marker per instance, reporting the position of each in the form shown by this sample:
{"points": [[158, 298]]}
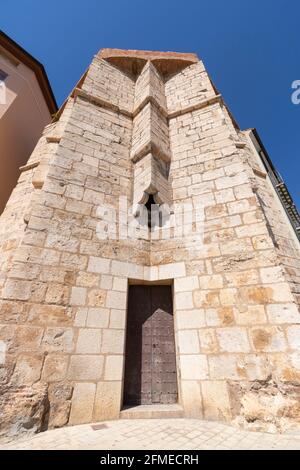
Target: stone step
{"points": [[152, 411]]}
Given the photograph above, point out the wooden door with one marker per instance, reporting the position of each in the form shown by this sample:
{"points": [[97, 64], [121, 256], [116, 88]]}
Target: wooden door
{"points": [[150, 366]]}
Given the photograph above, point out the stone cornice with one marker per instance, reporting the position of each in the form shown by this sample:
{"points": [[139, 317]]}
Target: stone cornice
{"points": [[195, 107], [108, 53], [152, 148], [152, 100], [100, 102], [106, 104]]}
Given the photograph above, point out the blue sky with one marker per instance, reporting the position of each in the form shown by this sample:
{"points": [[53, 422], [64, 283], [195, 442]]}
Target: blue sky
{"points": [[250, 48]]}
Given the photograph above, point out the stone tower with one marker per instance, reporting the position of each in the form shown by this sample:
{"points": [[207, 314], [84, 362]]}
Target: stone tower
{"points": [[99, 311]]}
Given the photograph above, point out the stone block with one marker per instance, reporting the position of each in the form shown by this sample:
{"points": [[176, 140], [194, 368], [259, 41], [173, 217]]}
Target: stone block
{"points": [[26, 416], [188, 342], [113, 368], [17, 290], [80, 317], [78, 296], [50, 315], [171, 270], [184, 300], [194, 367], [222, 316], [82, 403], [55, 367], [99, 265], [271, 274], [97, 298], [216, 403], [228, 297], [28, 369], [27, 338], [268, 339], [85, 367], [58, 339], [250, 315], [150, 273], [191, 399], [107, 401], [267, 293], [117, 319], [223, 367], [128, 270], [89, 341], [85, 279], [57, 294], [211, 282], [295, 360], [208, 341], [106, 282], [233, 339], [243, 278], [116, 300], [186, 284], [206, 298], [97, 318], [113, 341], [283, 313], [293, 335], [187, 319]]}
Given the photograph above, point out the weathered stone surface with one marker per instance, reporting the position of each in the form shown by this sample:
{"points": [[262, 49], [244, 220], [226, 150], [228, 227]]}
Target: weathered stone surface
{"points": [[216, 402], [113, 368], [28, 369], [190, 319], [89, 341], [194, 367], [113, 341], [82, 403], [107, 401], [23, 410], [58, 339], [55, 367], [253, 405], [192, 399], [188, 342], [233, 339], [269, 339], [85, 367], [60, 395]]}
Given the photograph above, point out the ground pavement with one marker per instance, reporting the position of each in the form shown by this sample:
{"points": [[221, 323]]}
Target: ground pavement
{"points": [[156, 434]]}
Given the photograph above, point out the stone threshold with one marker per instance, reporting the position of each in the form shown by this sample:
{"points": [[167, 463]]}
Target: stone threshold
{"points": [[152, 412]]}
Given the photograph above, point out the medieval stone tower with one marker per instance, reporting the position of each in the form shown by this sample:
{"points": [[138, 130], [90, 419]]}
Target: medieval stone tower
{"points": [[101, 313]]}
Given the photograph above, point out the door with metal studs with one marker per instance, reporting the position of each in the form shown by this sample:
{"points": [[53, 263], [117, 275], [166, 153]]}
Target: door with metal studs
{"points": [[150, 364]]}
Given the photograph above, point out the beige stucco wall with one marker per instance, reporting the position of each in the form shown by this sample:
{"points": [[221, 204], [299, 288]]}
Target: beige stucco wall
{"points": [[22, 120]]}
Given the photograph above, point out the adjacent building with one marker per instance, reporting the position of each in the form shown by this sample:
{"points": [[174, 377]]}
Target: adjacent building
{"points": [[26, 106]]}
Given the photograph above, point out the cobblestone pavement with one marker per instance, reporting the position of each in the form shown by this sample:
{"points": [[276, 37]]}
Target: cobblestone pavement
{"points": [[158, 434]]}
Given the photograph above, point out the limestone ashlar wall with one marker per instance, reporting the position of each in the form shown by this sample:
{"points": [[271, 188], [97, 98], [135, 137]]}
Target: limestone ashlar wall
{"points": [[236, 315], [62, 311], [64, 289], [106, 82], [287, 245]]}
